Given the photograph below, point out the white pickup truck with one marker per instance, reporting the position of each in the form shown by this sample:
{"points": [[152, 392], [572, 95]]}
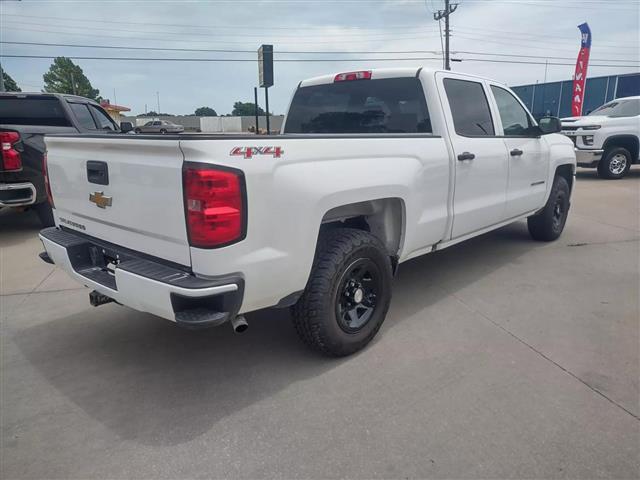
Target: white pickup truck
{"points": [[372, 168], [607, 138]]}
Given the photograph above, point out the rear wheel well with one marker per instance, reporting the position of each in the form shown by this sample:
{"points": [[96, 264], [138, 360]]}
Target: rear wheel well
{"points": [[383, 218], [566, 171], [628, 142]]}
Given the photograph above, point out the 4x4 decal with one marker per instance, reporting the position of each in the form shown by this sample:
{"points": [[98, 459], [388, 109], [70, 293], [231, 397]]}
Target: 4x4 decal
{"points": [[249, 152]]}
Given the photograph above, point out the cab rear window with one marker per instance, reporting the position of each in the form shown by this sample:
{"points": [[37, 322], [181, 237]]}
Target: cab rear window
{"points": [[32, 111], [390, 105]]}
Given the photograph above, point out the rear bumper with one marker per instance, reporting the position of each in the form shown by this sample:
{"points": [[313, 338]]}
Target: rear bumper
{"points": [[17, 194], [144, 283], [588, 158]]}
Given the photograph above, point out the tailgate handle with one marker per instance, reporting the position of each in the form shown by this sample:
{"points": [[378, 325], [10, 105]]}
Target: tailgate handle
{"points": [[97, 172]]}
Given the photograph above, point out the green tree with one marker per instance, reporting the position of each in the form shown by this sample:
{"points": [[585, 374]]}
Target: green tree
{"points": [[64, 76], [10, 84], [246, 109], [205, 112]]}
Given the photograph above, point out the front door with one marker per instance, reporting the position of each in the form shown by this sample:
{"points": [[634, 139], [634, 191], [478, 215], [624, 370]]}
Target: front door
{"points": [[481, 167], [528, 154]]}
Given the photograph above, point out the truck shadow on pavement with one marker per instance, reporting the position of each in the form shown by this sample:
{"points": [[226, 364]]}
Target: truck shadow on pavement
{"points": [[151, 382], [14, 225]]}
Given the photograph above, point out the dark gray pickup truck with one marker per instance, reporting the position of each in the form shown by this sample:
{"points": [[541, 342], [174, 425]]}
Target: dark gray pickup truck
{"points": [[25, 118]]}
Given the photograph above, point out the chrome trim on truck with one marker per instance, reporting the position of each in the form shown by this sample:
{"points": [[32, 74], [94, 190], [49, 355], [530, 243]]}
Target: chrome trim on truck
{"points": [[30, 200]]}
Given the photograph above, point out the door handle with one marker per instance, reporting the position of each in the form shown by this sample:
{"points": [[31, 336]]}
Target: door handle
{"points": [[516, 152], [466, 156]]}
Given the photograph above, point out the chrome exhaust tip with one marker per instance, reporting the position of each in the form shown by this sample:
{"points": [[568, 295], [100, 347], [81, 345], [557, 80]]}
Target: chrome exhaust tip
{"points": [[239, 324]]}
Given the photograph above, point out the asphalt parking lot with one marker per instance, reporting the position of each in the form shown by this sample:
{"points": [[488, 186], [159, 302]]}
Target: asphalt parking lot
{"points": [[500, 357]]}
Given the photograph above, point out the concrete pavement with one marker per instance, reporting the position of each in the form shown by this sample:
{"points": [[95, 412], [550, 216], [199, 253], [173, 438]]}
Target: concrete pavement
{"points": [[501, 357]]}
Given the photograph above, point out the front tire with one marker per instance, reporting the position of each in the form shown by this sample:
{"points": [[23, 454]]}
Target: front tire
{"points": [[348, 293], [615, 163], [548, 224], [163, 131]]}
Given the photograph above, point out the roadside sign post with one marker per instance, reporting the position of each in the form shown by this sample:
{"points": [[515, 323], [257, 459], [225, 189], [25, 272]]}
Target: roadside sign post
{"points": [[255, 104], [265, 75]]}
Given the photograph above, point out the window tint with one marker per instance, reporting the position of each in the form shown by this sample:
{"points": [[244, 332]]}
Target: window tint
{"points": [[32, 111], [515, 120], [148, 124], [390, 105], [83, 116], [469, 107], [157, 123], [104, 120]]}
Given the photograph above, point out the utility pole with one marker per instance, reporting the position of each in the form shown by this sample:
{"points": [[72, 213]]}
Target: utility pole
{"points": [[255, 106], [73, 84], [158, 100], [448, 10]]}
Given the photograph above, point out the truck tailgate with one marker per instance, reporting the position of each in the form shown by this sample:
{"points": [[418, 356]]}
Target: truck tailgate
{"points": [[124, 190]]}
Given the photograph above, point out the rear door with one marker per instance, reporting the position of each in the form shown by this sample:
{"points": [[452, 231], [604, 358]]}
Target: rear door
{"points": [[481, 168], [528, 153], [125, 190]]}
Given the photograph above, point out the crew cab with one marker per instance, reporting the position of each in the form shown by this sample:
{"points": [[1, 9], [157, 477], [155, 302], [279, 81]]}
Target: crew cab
{"points": [[24, 120], [372, 168], [608, 137]]}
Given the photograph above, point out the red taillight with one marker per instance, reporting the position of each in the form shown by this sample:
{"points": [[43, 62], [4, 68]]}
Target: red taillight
{"points": [[214, 204], [348, 76], [10, 156], [47, 185]]}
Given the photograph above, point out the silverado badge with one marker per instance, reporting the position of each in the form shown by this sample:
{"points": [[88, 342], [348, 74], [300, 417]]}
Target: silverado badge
{"points": [[100, 199]]}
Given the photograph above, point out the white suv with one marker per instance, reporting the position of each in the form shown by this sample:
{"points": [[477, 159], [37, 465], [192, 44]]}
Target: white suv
{"points": [[607, 138]]}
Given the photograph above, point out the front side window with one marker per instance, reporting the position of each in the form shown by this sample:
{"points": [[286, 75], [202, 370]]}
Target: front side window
{"points": [[515, 119], [469, 108], [104, 120], [83, 115], [389, 105]]}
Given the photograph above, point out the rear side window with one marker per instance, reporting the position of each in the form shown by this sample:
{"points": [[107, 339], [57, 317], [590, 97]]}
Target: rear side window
{"points": [[82, 114], [390, 105], [469, 108], [45, 111]]}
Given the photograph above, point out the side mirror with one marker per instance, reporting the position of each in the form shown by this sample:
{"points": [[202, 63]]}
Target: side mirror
{"points": [[549, 125], [126, 127]]}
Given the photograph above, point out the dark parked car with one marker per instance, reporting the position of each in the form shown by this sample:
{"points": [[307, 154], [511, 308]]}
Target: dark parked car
{"points": [[25, 118]]}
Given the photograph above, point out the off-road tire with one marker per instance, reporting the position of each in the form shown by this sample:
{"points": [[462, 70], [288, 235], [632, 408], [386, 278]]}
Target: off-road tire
{"points": [[45, 214], [315, 316], [547, 225], [610, 158]]}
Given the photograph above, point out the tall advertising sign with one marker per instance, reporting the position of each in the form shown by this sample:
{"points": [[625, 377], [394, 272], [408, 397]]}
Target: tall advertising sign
{"points": [[580, 76]]}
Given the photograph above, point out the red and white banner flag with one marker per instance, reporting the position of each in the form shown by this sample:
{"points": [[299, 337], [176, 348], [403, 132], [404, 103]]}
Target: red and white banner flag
{"points": [[580, 76]]}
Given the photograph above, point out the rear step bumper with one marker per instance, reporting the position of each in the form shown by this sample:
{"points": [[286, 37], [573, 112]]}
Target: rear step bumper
{"points": [[145, 283]]}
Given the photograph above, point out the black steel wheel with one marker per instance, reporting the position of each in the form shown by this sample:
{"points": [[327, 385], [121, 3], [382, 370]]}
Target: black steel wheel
{"points": [[348, 293]]}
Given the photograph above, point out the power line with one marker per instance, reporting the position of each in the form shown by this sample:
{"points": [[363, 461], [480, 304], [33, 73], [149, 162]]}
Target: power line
{"points": [[225, 42], [307, 52], [304, 60]]}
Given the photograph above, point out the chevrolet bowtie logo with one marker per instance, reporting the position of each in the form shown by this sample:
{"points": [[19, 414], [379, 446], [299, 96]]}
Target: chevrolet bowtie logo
{"points": [[100, 199]]}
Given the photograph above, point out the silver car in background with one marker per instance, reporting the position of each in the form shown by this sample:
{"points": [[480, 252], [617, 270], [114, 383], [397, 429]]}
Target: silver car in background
{"points": [[159, 126]]}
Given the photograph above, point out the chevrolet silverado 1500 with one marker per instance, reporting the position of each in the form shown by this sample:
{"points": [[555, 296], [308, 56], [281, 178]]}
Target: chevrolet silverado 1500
{"points": [[372, 168]]}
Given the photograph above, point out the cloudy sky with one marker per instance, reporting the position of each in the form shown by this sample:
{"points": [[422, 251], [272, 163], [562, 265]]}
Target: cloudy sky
{"points": [[345, 34]]}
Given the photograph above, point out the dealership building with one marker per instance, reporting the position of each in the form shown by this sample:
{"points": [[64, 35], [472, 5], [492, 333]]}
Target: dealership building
{"points": [[554, 98]]}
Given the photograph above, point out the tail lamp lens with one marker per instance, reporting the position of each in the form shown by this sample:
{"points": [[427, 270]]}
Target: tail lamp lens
{"points": [[10, 156], [214, 204], [47, 184]]}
